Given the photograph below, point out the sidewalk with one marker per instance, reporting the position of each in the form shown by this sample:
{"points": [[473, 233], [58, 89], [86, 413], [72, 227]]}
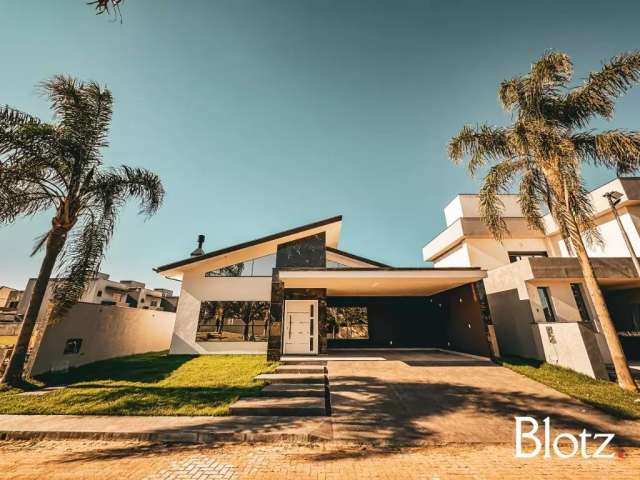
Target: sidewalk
{"points": [[167, 429]]}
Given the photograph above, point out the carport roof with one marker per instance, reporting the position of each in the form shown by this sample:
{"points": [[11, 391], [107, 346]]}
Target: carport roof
{"points": [[380, 281]]}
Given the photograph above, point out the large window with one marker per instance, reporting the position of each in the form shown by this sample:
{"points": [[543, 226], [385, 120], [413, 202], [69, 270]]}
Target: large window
{"points": [[576, 288], [547, 307], [347, 322], [233, 322], [257, 267]]}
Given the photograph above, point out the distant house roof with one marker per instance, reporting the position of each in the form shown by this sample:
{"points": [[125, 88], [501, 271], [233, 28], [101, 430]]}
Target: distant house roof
{"points": [[322, 225]]}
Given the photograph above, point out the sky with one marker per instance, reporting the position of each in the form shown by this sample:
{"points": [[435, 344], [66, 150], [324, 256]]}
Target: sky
{"points": [[262, 115]]}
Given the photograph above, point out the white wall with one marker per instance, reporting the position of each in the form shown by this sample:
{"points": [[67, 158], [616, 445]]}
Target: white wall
{"points": [[614, 242], [488, 253], [456, 257], [107, 331], [468, 206], [570, 345], [197, 288]]}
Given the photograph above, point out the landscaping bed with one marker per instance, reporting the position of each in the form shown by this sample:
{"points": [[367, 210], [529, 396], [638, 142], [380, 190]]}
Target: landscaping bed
{"points": [[601, 394], [147, 384]]}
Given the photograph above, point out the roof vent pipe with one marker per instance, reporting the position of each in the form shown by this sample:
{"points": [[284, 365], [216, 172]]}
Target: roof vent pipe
{"points": [[198, 251]]}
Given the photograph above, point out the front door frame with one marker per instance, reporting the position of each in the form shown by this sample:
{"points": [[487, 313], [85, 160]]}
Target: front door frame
{"points": [[298, 305]]}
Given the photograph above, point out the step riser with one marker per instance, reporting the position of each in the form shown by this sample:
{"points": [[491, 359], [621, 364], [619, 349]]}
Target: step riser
{"points": [[299, 381], [293, 393], [277, 412], [301, 370], [321, 363]]}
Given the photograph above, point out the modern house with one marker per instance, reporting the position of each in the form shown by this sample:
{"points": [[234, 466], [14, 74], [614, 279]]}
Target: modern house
{"points": [[295, 292], [9, 298], [535, 291], [104, 291]]}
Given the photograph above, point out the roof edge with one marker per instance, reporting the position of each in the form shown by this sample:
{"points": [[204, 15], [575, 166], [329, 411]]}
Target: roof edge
{"points": [[357, 257], [250, 243]]}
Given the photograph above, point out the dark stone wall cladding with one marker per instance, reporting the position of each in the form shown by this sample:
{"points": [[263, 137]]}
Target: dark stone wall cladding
{"points": [[467, 321], [456, 319], [305, 252], [274, 343], [397, 322]]}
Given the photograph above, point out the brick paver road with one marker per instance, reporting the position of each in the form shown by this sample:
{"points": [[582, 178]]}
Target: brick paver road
{"points": [[82, 459]]}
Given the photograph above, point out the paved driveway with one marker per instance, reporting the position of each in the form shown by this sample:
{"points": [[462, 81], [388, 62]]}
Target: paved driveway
{"points": [[423, 397]]}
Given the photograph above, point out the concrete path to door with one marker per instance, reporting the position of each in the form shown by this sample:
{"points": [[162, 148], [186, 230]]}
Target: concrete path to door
{"points": [[434, 397]]}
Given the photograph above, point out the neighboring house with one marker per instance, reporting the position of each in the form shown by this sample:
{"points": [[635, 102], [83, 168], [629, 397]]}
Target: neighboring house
{"points": [[104, 291], [138, 296], [9, 298], [295, 292], [538, 302]]}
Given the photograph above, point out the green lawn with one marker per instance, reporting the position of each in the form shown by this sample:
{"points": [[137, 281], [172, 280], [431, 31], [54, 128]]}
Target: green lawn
{"points": [[601, 394], [148, 384], [8, 339]]}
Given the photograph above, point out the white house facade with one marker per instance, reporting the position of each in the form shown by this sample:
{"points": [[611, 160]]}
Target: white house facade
{"points": [[539, 306]]}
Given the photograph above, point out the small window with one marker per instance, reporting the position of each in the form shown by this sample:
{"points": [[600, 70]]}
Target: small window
{"points": [[545, 300], [72, 346], [515, 256], [99, 294], [142, 300], [154, 303], [576, 288]]}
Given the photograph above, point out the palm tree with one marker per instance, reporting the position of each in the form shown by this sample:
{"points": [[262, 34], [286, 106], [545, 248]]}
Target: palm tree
{"points": [[545, 148], [58, 167]]}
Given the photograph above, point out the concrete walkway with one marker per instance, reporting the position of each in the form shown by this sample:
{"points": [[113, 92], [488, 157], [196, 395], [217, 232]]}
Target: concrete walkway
{"points": [[417, 398], [163, 429]]}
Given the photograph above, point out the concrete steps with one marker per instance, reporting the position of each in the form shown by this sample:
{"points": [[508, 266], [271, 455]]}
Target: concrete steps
{"points": [[303, 360], [275, 406], [292, 378], [301, 369], [294, 390], [298, 388]]}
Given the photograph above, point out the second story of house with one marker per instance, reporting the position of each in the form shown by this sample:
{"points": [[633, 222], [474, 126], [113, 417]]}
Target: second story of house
{"points": [[105, 291], [467, 242]]}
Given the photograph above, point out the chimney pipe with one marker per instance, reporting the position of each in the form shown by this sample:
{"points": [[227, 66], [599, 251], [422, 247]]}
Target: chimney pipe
{"points": [[198, 251]]}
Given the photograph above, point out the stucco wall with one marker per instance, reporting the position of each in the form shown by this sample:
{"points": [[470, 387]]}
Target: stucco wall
{"points": [[197, 288], [561, 347], [614, 243], [106, 331], [465, 205]]}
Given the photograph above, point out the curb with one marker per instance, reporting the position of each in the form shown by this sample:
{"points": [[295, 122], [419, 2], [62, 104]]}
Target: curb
{"points": [[184, 436]]}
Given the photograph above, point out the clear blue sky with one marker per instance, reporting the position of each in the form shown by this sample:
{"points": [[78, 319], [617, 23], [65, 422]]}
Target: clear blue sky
{"points": [[261, 115]]}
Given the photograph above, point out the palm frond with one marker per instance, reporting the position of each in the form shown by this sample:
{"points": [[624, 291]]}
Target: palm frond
{"points": [[614, 149], [496, 182], [596, 97], [118, 184], [81, 260], [532, 194], [483, 144]]}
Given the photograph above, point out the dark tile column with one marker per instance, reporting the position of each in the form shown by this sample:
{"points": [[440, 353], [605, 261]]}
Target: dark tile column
{"points": [[274, 343], [485, 314], [322, 323]]}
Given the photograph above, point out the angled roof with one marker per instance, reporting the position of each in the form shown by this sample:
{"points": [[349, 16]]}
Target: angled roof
{"points": [[357, 257], [322, 225]]}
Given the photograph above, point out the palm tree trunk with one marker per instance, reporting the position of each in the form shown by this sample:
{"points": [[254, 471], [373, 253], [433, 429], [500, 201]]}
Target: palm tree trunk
{"points": [[625, 378], [13, 373]]}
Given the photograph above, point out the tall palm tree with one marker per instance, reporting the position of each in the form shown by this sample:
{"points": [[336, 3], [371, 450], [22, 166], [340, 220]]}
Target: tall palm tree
{"points": [[58, 167], [545, 148]]}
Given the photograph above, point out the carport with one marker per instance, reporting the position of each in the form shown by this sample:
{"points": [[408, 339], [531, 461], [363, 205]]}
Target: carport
{"points": [[404, 307]]}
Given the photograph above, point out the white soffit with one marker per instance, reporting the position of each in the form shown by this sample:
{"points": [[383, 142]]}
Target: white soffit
{"points": [[380, 282]]}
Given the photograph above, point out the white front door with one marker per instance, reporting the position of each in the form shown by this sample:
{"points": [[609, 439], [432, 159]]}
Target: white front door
{"points": [[301, 326]]}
